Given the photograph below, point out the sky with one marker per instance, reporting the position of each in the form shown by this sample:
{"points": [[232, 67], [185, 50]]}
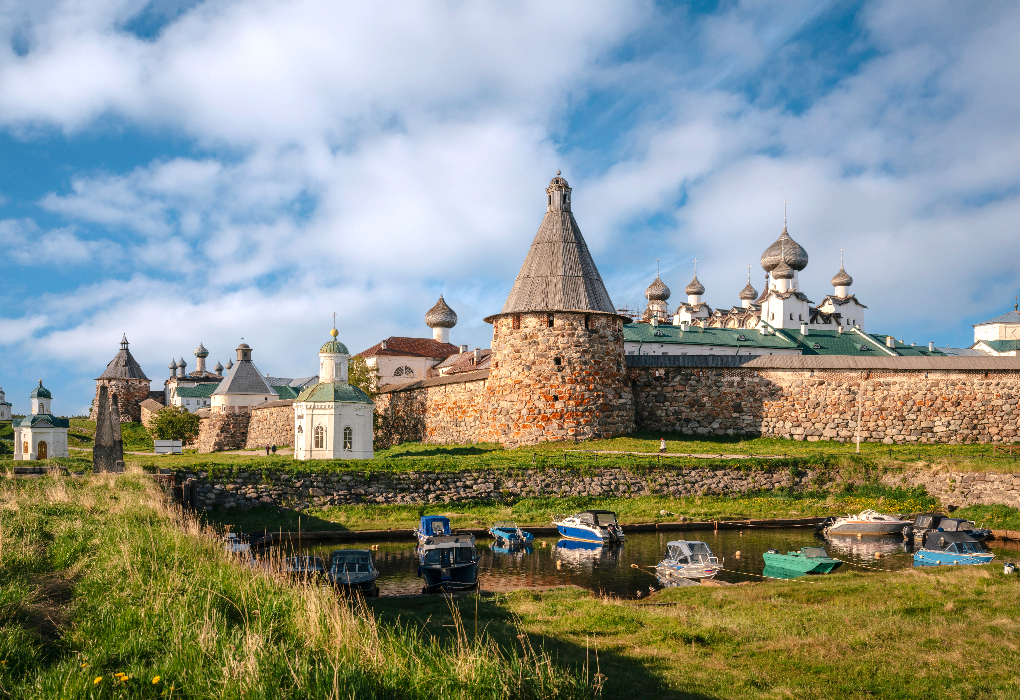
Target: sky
{"points": [[182, 171]]}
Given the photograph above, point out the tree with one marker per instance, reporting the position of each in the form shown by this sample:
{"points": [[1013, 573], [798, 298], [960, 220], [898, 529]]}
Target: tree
{"points": [[174, 423], [361, 375]]}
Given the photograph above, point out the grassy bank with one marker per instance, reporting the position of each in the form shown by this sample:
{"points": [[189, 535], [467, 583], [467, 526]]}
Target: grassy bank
{"points": [[98, 578], [540, 511], [948, 633]]}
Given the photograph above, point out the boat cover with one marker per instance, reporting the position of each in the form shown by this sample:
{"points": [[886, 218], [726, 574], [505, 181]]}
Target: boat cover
{"points": [[597, 517], [927, 521], [939, 540], [956, 525], [435, 525]]}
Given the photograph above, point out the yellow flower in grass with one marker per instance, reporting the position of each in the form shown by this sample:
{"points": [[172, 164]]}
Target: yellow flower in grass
{"points": [[98, 680], [155, 680]]}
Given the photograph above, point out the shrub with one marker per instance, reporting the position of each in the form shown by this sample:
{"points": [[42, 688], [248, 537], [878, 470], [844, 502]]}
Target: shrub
{"points": [[174, 423]]}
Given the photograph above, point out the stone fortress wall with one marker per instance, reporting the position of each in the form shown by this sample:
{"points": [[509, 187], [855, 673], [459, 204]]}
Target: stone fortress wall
{"points": [[130, 394], [271, 423], [305, 490], [899, 400]]}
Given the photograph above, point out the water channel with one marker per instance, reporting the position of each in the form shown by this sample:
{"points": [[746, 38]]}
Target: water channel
{"points": [[608, 570]]}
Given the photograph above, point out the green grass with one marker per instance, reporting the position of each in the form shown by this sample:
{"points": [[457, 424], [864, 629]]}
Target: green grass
{"points": [[99, 577], [540, 511], [992, 517], [136, 438]]}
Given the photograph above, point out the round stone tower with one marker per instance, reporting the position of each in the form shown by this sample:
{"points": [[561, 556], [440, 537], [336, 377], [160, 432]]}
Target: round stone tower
{"points": [[125, 380], [558, 367]]}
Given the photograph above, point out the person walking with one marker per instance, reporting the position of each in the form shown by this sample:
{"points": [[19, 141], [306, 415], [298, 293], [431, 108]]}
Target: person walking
{"points": [[267, 450], [274, 449], [662, 445]]}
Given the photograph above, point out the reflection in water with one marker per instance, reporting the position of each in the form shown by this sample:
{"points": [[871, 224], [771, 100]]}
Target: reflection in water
{"points": [[608, 570]]}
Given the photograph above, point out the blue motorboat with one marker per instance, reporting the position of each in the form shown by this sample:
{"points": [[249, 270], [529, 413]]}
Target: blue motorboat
{"points": [[597, 526], [951, 548], [448, 563], [432, 526], [508, 532]]}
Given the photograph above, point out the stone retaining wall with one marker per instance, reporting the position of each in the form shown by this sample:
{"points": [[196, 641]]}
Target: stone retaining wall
{"points": [[271, 423], [223, 431], [964, 488]]}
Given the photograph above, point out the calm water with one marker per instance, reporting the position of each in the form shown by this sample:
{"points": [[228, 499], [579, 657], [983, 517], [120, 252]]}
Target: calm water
{"points": [[608, 569]]}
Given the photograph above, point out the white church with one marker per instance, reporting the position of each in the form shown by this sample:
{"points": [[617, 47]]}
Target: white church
{"points": [[40, 435], [333, 420]]}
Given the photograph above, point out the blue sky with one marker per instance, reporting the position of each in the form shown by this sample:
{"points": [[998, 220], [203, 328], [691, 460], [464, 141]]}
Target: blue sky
{"points": [[186, 171]]}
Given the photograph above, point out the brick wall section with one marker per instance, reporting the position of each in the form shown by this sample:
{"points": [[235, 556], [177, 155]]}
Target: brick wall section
{"points": [[130, 394], [557, 383], [895, 406], [223, 431], [271, 423]]}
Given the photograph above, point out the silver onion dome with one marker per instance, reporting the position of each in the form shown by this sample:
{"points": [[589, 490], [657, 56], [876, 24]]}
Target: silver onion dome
{"points": [[657, 291], [172, 365], [230, 363], [441, 315], [218, 367], [842, 278], [200, 351], [748, 293], [695, 288], [787, 250], [181, 364], [782, 271]]}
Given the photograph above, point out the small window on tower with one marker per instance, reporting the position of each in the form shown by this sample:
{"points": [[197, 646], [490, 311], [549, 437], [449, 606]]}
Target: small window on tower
{"points": [[587, 322], [557, 361], [516, 322], [549, 320]]}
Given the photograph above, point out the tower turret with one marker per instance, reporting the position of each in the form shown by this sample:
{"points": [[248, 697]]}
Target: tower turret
{"points": [[201, 353], [333, 360]]}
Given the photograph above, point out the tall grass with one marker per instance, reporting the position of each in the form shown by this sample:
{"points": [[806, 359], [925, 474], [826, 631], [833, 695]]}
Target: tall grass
{"points": [[100, 577]]}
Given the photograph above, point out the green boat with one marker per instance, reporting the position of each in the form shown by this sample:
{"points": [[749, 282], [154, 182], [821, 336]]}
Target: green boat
{"points": [[809, 560]]}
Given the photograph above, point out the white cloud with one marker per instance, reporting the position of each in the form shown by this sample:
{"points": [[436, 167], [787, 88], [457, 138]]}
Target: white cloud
{"points": [[27, 244]]}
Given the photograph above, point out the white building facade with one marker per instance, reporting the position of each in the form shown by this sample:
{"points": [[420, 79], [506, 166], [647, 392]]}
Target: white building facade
{"points": [[40, 435], [333, 420]]}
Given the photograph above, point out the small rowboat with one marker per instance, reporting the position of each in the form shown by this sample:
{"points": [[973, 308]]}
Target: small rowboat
{"points": [[809, 560], [509, 532]]}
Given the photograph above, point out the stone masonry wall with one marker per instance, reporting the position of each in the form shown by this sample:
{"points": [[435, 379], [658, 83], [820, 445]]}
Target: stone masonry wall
{"points": [[894, 406], [130, 394], [445, 414], [223, 431], [300, 491], [271, 423], [963, 488]]}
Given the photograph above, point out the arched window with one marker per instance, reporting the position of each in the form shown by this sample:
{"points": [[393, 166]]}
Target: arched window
{"points": [[338, 371], [24, 448], [348, 438], [404, 371], [300, 429], [320, 437]]}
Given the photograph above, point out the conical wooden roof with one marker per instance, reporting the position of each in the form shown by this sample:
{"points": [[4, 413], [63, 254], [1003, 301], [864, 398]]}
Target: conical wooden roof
{"points": [[558, 273]]}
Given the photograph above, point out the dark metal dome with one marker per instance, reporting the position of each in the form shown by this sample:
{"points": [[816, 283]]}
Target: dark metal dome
{"points": [[787, 250], [695, 288], [748, 293], [657, 291], [842, 279], [441, 315]]}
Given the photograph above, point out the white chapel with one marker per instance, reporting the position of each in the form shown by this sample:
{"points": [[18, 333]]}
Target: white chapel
{"points": [[333, 420], [40, 435]]}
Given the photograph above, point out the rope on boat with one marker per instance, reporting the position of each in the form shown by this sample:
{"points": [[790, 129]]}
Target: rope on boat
{"points": [[770, 578]]}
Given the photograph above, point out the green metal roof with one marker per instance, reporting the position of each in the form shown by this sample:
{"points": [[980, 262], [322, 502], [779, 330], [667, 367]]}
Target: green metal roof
{"points": [[1002, 345], [202, 391], [286, 392], [727, 337], [829, 342], [334, 346], [334, 391], [40, 392], [36, 418]]}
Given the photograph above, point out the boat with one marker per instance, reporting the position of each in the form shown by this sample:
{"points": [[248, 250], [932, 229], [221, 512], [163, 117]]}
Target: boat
{"points": [[261, 538], [353, 571], [688, 559], [432, 526], [448, 563], [591, 526], [235, 545], [305, 568], [809, 560], [965, 526], [925, 523], [951, 548], [869, 522], [508, 532]]}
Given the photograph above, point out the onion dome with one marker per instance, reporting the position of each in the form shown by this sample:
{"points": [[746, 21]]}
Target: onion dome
{"points": [[787, 250], [782, 271], [842, 279], [181, 364], [218, 368], [230, 364], [657, 291], [172, 365], [695, 288], [748, 293], [40, 392], [441, 315], [334, 346], [200, 351]]}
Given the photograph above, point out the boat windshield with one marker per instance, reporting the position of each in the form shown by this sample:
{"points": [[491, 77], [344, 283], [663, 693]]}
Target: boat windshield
{"points": [[465, 554], [700, 553], [351, 562], [447, 556], [605, 519], [814, 552], [305, 564], [438, 527], [674, 553], [969, 548]]}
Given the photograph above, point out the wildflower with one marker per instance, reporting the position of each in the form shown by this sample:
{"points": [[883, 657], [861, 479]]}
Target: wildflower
{"points": [[98, 680], [84, 664], [155, 680]]}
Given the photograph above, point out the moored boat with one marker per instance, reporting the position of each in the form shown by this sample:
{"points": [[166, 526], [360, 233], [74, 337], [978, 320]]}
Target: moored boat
{"points": [[304, 567], [688, 559], [966, 526], [951, 548], [508, 532], [353, 571], [448, 563], [598, 526], [809, 560], [870, 522], [432, 526]]}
